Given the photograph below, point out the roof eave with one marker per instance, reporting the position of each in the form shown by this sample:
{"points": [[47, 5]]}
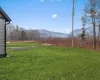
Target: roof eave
{"points": [[5, 15]]}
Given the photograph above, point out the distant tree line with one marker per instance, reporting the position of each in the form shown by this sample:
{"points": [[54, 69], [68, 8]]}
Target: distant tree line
{"points": [[18, 33]]}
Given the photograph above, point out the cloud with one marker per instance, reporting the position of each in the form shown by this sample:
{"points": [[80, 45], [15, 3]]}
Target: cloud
{"points": [[54, 16], [42, 0]]}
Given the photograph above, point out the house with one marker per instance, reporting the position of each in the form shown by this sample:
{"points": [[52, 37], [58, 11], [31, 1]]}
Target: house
{"points": [[4, 20]]}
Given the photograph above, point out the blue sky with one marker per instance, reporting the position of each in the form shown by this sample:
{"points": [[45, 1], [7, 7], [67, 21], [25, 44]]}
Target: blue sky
{"points": [[53, 15]]}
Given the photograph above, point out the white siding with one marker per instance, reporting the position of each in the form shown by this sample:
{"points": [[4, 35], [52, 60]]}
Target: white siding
{"points": [[2, 41]]}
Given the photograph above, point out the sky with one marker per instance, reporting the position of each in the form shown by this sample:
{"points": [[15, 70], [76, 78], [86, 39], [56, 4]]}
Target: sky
{"points": [[53, 15]]}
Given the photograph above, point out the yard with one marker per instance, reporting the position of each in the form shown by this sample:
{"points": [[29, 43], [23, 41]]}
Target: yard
{"points": [[50, 63]]}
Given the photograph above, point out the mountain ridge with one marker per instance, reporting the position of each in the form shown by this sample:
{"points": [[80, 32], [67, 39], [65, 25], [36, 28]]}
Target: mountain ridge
{"points": [[47, 33]]}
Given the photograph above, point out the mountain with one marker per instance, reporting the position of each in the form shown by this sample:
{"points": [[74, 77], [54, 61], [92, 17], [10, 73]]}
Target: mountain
{"points": [[76, 32], [43, 33], [46, 33], [88, 30]]}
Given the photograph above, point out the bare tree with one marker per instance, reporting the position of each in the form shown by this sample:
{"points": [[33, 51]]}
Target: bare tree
{"points": [[91, 10]]}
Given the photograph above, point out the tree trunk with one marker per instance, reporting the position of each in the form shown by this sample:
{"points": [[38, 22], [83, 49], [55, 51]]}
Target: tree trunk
{"points": [[94, 34]]}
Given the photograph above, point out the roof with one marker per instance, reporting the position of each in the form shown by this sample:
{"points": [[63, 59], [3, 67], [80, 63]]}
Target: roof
{"points": [[7, 18]]}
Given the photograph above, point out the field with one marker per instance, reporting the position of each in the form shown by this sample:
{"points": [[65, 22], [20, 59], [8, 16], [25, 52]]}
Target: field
{"points": [[50, 63], [78, 42]]}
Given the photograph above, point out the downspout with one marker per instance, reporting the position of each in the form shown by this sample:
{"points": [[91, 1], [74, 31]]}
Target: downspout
{"points": [[5, 38]]}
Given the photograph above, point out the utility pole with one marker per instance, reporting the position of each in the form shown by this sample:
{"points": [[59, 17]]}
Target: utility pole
{"points": [[73, 11]]}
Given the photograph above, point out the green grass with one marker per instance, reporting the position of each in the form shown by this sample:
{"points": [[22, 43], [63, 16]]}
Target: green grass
{"points": [[22, 44], [50, 63]]}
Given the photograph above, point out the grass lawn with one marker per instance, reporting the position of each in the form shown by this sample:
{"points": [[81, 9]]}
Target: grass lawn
{"points": [[50, 63]]}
